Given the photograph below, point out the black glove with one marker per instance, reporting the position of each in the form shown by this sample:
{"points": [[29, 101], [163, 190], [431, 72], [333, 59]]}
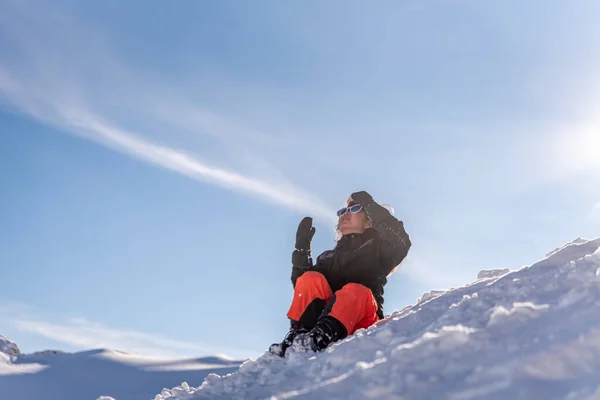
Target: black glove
{"points": [[304, 234], [374, 210], [363, 198], [301, 256]]}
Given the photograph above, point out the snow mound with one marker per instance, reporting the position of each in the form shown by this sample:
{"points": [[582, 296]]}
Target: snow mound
{"points": [[8, 349], [533, 333], [49, 352], [492, 273], [430, 295], [577, 241]]}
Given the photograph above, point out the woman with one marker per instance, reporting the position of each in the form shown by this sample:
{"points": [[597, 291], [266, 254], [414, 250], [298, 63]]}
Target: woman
{"points": [[343, 291]]}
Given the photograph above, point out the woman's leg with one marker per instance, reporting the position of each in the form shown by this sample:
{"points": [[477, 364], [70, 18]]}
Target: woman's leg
{"points": [[351, 308], [311, 293], [355, 307]]}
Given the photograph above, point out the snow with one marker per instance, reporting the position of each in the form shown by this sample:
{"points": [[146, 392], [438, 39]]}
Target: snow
{"points": [[430, 295], [101, 374], [8, 349], [492, 273], [533, 333]]}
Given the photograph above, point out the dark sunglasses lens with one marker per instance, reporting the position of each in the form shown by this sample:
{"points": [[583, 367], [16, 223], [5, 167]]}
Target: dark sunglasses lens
{"points": [[355, 208], [341, 212]]}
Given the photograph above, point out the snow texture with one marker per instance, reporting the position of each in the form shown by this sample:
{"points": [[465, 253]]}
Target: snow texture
{"points": [[8, 350], [533, 333], [492, 273], [430, 295]]}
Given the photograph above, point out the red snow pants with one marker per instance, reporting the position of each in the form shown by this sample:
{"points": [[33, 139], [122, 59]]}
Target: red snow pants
{"points": [[354, 304]]}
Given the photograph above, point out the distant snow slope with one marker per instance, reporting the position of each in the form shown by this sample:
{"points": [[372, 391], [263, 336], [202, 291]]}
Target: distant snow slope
{"points": [[8, 348], [527, 334], [56, 375]]}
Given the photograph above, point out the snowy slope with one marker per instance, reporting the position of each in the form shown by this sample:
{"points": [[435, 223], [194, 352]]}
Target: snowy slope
{"points": [[527, 334], [91, 374], [8, 347], [8, 350]]}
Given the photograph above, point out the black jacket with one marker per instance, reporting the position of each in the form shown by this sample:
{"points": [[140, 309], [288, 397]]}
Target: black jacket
{"points": [[366, 258]]}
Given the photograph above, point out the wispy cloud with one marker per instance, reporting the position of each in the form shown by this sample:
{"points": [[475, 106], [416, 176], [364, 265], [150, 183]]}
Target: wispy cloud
{"points": [[83, 334], [167, 130], [187, 165], [88, 125]]}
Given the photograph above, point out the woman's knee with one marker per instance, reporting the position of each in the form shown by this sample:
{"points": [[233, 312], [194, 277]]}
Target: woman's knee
{"points": [[311, 276], [358, 290]]}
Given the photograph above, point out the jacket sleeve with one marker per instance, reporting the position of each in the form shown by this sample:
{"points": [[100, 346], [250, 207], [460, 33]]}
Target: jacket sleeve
{"points": [[301, 262], [395, 242]]}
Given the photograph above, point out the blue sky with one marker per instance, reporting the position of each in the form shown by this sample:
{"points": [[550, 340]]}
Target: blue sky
{"points": [[156, 158]]}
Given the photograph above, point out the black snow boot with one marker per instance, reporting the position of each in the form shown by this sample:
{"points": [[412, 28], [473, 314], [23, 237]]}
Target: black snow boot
{"points": [[280, 348], [327, 331]]}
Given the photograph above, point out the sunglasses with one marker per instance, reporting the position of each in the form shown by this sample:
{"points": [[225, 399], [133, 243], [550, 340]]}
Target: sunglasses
{"points": [[353, 210]]}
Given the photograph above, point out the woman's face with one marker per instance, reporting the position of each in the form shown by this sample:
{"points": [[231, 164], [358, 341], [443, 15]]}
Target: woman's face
{"points": [[353, 223]]}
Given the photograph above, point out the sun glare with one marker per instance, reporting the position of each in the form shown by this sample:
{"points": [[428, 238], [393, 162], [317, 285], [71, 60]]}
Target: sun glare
{"points": [[579, 149]]}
